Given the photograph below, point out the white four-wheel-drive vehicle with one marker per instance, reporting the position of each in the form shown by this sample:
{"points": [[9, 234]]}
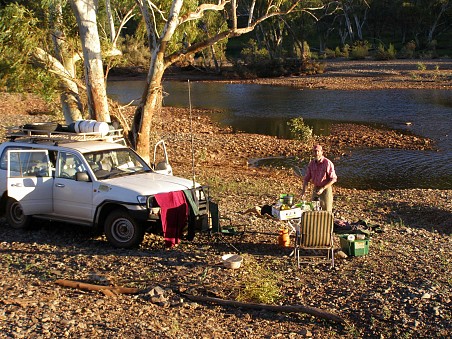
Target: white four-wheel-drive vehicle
{"points": [[84, 179]]}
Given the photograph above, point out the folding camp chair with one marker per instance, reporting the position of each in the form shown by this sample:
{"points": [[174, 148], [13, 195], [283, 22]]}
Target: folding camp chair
{"points": [[315, 232], [221, 227]]}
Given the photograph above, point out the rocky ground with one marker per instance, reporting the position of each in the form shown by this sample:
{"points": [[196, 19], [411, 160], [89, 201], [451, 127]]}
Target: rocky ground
{"points": [[402, 288]]}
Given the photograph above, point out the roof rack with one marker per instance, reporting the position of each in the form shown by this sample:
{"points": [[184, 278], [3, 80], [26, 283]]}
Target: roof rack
{"points": [[19, 132]]}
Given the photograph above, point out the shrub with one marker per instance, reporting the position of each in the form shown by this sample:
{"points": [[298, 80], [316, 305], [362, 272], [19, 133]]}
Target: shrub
{"points": [[330, 54], [300, 130], [260, 286], [421, 66], [382, 54], [346, 51], [407, 51], [306, 51], [360, 50]]}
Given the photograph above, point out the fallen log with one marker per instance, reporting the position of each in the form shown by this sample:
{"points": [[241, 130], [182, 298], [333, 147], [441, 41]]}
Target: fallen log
{"points": [[92, 287], [274, 308]]}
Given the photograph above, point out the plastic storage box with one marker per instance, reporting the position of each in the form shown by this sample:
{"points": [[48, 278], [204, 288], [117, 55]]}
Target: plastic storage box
{"points": [[286, 214], [354, 248]]}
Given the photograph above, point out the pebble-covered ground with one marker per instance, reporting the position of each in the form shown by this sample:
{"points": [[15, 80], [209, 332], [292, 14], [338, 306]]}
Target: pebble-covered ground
{"points": [[401, 288]]}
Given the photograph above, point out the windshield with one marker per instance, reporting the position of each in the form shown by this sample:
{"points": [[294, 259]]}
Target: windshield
{"points": [[116, 162]]}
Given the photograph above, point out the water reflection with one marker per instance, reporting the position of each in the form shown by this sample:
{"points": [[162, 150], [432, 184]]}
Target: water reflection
{"points": [[266, 110]]}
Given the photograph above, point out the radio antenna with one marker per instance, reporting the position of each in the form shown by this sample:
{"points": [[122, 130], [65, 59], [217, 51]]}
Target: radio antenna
{"points": [[191, 135]]}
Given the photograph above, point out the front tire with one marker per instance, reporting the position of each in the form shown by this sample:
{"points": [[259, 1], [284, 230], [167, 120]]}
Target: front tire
{"points": [[122, 230], [15, 215]]}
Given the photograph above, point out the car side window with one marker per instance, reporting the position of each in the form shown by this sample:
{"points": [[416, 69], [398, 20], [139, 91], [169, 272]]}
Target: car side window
{"points": [[28, 163], [68, 165], [4, 157]]}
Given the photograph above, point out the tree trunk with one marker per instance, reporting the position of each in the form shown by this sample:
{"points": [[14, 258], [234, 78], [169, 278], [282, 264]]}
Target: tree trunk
{"points": [[152, 96], [434, 25], [151, 104], [85, 13], [71, 101], [69, 97], [111, 23]]}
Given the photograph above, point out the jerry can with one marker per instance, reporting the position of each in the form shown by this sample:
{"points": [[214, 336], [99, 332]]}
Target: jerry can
{"points": [[283, 237]]}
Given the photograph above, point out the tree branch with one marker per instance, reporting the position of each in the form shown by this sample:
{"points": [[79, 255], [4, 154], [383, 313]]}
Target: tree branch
{"points": [[274, 308], [92, 287], [199, 12]]}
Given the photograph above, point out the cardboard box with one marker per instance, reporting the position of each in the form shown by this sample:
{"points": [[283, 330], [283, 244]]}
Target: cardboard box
{"points": [[286, 214], [354, 248]]}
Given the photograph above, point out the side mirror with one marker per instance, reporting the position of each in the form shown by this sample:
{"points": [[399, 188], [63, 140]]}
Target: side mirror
{"points": [[164, 168], [82, 176]]}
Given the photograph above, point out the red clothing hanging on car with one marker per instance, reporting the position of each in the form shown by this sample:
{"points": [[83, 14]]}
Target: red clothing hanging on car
{"points": [[174, 215]]}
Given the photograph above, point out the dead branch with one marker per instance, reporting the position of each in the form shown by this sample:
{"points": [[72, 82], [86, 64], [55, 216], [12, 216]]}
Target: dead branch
{"points": [[274, 308], [91, 287]]}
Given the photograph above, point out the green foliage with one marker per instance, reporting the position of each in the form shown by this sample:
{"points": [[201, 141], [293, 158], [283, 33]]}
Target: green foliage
{"points": [[385, 54], [253, 54], [300, 130], [359, 50], [135, 52], [211, 23], [257, 62], [18, 39], [328, 54], [259, 285], [345, 51], [311, 67], [421, 66], [338, 52], [407, 51], [20, 35]]}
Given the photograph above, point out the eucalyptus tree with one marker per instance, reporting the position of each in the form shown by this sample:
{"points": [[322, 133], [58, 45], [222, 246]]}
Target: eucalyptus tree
{"points": [[43, 41], [353, 19], [437, 16], [423, 20], [29, 61], [166, 23], [86, 14]]}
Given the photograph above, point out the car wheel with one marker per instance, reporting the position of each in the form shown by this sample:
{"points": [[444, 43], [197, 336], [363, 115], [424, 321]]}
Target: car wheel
{"points": [[15, 215], [122, 230]]}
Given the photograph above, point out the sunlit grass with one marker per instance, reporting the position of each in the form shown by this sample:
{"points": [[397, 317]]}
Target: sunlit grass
{"points": [[259, 285]]}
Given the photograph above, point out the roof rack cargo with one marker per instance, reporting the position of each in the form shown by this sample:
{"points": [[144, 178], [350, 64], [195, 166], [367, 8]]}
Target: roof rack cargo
{"points": [[33, 132]]}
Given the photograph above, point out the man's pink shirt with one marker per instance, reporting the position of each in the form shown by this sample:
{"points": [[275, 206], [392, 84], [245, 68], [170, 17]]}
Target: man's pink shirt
{"points": [[320, 173]]}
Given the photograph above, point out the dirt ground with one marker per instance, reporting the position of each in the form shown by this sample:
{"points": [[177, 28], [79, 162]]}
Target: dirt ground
{"points": [[401, 288]]}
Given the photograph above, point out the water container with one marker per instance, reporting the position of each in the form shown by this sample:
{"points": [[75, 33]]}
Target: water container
{"points": [[102, 128], [81, 126], [84, 126], [76, 126], [91, 126]]}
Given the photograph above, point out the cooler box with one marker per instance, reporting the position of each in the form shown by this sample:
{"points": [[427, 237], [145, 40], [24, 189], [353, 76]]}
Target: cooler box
{"points": [[354, 248]]}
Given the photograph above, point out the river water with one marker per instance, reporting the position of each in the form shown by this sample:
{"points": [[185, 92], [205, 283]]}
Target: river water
{"points": [[266, 109]]}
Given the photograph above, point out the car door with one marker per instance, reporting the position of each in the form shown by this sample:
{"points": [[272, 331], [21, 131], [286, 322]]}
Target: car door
{"points": [[72, 199], [29, 180]]}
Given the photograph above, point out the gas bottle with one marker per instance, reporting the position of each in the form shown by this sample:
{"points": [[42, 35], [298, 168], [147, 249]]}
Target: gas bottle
{"points": [[283, 237]]}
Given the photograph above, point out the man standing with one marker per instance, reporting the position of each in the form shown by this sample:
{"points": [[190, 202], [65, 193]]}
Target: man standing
{"points": [[321, 173]]}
